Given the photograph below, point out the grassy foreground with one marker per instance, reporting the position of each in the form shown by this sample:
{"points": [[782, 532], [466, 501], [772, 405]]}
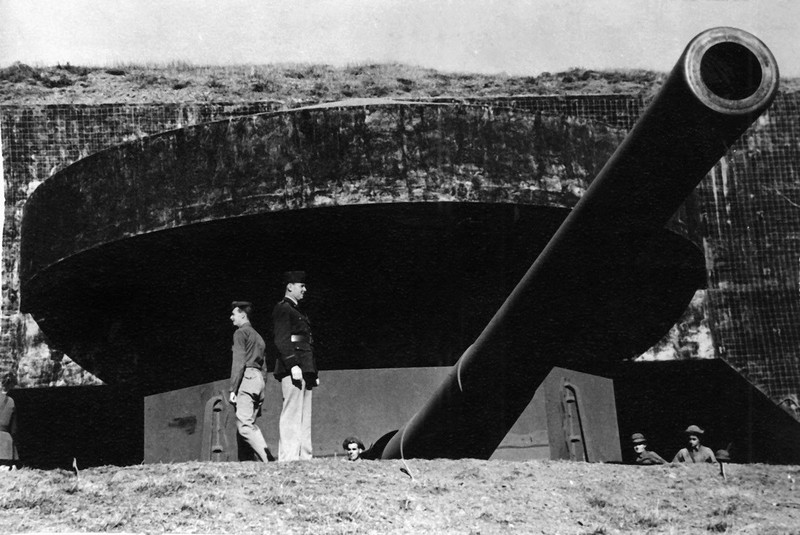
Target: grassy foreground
{"points": [[465, 496]]}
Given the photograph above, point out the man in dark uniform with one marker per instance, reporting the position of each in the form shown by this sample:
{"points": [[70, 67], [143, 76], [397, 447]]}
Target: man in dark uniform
{"points": [[295, 369], [247, 378]]}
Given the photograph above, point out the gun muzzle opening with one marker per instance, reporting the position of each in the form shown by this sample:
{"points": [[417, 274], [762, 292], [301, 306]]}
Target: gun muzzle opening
{"points": [[731, 71]]}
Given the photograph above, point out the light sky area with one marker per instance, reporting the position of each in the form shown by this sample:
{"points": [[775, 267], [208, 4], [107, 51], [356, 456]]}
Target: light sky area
{"points": [[518, 37]]}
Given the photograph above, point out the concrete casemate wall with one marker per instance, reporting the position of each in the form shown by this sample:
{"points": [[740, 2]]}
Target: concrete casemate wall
{"points": [[745, 215], [368, 404]]}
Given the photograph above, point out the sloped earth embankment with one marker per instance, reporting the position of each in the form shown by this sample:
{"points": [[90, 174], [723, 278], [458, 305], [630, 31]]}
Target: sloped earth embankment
{"points": [[440, 496]]}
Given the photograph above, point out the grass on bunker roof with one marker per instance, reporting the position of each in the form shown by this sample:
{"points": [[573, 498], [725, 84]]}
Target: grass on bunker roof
{"points": [[443, 496], [292, 84]]}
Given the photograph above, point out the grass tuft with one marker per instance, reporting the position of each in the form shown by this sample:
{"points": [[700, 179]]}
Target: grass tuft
{"points": [[597, 501], [718, 527]]}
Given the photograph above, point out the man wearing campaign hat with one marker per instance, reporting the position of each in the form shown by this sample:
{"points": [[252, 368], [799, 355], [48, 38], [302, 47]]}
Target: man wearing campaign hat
{"points": [[247, 378], [694, 452], [295, 369], [643, 455]]}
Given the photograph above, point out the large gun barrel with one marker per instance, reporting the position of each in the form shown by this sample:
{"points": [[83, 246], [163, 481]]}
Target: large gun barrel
{"points": [[562, 311]]}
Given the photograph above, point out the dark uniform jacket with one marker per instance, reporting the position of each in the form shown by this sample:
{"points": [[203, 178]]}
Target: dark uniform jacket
{"points": [[292, 332], [248, 352]]}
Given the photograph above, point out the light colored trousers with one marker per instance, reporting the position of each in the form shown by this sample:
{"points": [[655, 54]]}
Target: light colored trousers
{"points": [[248, 406], [295, 424]]}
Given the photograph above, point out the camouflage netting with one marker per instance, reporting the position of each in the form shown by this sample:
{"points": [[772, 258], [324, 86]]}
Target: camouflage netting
{"points": [[358, 154], [750, 206], [746, 214], [37, 141]]}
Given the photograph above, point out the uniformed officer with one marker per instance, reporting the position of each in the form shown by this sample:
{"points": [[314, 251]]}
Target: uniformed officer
{"points": [[295, 369], [247, 378]]}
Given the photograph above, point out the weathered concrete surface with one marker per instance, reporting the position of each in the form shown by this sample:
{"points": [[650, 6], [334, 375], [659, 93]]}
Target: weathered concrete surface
{"points": [[658, 399], [370, 403], [307, 158], [130, 256], [390, 286], [38, 141]]}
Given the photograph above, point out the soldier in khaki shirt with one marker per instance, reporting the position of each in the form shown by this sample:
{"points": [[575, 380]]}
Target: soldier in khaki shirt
{"points": [[247, 378], [694, 452]]}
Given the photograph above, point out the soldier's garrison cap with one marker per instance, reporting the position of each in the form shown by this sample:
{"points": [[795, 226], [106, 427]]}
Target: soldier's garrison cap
{"points": [[241, 304]]}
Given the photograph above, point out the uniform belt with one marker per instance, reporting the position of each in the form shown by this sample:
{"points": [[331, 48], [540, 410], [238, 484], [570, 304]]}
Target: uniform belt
{"points": [[300, 338]]}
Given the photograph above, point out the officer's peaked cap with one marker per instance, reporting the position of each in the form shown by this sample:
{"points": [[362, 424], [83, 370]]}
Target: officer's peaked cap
{"points": [[294, 276]]}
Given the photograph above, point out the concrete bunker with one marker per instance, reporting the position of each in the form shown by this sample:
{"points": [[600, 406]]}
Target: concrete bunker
{"points": [[130, 256]]}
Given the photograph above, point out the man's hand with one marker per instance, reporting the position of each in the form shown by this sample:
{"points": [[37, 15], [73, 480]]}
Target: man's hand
{"points": [[297, 373], [232, 398]]}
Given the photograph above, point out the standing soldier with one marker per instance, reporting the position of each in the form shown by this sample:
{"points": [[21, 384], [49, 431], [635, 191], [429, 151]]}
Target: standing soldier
{"points": [[247, 378], [295, 369]]}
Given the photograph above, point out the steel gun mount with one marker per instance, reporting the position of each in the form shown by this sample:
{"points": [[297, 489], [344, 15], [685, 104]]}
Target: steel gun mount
{"points": [[558, 313]]}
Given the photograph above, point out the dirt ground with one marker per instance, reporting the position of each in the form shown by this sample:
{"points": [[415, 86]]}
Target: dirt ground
{"points": [[440, 496]]}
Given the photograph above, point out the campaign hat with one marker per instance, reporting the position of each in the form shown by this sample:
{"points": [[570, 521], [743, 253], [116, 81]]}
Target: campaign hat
{"points": [[694, 430], [638, 438]]}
